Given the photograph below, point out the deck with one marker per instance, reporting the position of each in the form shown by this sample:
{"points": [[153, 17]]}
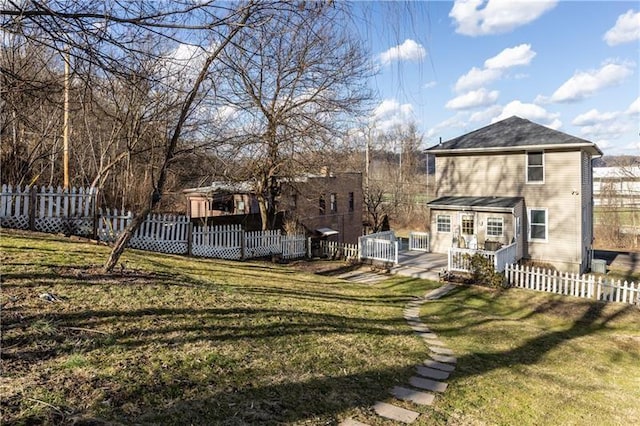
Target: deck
{"points": [[419, 264]]}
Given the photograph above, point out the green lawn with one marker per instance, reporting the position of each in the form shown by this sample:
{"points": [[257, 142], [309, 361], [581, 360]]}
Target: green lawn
{"points": [[173, 340]]}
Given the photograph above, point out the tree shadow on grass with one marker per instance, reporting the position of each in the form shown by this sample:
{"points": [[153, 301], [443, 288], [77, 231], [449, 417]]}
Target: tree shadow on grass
{"points": [[320, 399], [592, 320]]}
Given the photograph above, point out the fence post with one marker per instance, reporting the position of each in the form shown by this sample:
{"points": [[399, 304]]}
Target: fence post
{"points": [[243, 244], [32, 207], [94, 211], [189, 237]]}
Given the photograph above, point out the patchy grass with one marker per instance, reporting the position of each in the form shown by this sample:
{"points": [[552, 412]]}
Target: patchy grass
{"points": [[173, 340], [533, 358]]}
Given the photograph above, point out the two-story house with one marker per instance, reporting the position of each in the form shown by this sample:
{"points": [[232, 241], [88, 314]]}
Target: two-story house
{"points": [[516, 182]]}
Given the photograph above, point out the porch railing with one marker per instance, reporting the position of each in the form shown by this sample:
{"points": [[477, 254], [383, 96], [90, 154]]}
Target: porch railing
{"points": [[419, 241], [460, 259], [381, 246]]}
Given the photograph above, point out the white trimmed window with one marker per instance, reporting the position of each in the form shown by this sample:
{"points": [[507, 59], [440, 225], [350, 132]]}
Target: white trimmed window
{"points": [[538, 225], [495, 226], [443, 222], [535, 167]]}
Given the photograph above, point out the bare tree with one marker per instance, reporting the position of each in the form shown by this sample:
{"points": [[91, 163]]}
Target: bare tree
{"points": [[294, 86]]}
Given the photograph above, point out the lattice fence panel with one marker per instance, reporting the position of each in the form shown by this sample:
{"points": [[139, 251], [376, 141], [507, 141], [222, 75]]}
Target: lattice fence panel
{"points": [[161, 246], [15, 222], [218, 252]]}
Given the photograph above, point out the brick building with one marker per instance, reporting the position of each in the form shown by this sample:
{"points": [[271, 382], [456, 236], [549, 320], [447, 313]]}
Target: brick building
{"points": [[325, 205]]}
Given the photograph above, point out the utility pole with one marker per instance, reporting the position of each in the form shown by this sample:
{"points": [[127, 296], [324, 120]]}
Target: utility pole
{"points": [[65, 126]]}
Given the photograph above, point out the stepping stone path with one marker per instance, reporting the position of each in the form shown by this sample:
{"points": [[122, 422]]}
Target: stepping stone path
{"points": [[420, 388]]}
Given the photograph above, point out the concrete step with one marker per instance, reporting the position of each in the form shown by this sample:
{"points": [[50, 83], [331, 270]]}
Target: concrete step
{"points": [[393, 412], [427, 384], [432, 373], [439, 365], [417, 397]]}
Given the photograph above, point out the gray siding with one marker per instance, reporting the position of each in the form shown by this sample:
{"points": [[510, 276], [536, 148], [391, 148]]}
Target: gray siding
{"points": [[563, 194]]}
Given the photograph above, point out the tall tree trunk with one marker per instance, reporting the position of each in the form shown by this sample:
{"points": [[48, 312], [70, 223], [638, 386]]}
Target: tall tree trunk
{"points": [[125, 236]]}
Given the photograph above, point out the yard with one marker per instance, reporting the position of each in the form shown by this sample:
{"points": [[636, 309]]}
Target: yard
{"points": [[173, 340]]}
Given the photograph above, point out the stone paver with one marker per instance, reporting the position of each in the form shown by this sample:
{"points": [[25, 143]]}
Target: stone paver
{"points": [[434, 342], [439, 292], [441, 350], [428, 384], [427, 335], [444, 358], [405, 394], [396, 413], [432, 373], [439, 365], [351, 422]]}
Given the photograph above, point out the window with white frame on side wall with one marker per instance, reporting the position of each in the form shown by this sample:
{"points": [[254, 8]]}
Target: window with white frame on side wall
{"points": [[538, 224]]}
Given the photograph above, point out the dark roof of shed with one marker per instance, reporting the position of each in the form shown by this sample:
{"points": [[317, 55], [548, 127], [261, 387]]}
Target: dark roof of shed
{"points": [[476, 202], [512, 132]]}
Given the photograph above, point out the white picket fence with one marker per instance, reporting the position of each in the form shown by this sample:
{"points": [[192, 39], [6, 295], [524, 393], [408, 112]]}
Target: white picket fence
{"points": [[419, 241], [174, 234], [48, 209], [294, 246], [585, 286], [336, 250], [381, 246], [74, 212]]}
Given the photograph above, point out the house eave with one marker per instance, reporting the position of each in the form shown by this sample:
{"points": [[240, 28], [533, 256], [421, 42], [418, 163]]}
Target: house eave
{"points": [[595, 151], [471, 208]]}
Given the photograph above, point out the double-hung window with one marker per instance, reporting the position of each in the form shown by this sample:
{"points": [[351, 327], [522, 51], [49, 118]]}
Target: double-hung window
{"points": [[443, 223], [333, 202], [494, 226], [538, 224], [535, 167]]}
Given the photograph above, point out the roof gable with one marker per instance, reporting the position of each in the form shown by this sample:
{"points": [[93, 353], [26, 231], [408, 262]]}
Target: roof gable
{"points": [[513, 133]]}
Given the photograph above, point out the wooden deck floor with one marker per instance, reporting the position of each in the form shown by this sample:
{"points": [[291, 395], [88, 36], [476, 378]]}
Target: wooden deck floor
{"points": [[418, 264]]}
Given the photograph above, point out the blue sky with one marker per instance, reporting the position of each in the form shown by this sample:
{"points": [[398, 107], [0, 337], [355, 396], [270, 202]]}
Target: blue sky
{"points": [[453, 67]]}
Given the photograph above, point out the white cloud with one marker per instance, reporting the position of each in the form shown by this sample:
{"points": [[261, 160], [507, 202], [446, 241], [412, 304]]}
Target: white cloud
{"points": [[626, 29], [592, 117], [634, 108], [472, 99], [476, 78], [430, 84], [613, 130], [390, 113], [455, 122], [409, 50], [511, 57], [585, 83], [486, 115], [531, 112], [497, 16], [494, 67]]}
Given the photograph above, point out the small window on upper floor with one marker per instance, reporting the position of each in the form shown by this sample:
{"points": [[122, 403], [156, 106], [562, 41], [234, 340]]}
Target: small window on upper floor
{"points": [[333, 202], [322, 204], [351, 202], [535, 167]]}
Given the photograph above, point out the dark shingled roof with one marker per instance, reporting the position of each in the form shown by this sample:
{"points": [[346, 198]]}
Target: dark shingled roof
{"points": [[509, 133], [473, 203]]}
